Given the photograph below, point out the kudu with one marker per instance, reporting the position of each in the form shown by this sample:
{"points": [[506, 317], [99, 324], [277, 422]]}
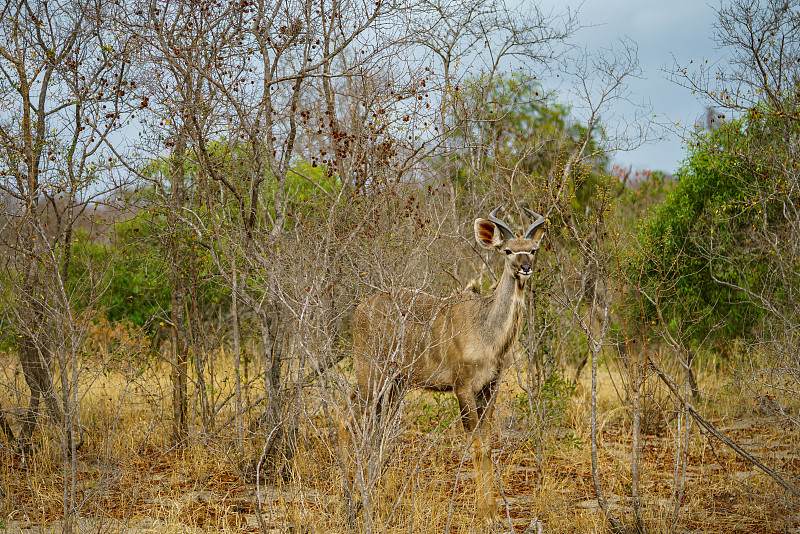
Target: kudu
{"points": [[412, 339]]}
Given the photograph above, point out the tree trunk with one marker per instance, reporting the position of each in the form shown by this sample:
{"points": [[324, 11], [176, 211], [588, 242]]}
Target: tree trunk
{"points": [[179, 355], [237, 359], [180, 361], [695, 391], [280, 438], [35, 357], [198, 340]]}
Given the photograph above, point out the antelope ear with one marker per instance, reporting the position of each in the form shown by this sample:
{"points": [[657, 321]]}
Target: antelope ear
{"points": [[487, 234], [538, 234]]}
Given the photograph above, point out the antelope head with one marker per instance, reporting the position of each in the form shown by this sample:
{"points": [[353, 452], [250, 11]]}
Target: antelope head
{"points": [[492, 233]]}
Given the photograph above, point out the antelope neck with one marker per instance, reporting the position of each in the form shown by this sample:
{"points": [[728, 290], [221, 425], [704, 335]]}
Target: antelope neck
{"points": [[507, 296]]}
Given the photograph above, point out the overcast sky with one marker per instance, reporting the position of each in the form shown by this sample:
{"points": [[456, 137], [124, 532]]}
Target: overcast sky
{"points": [[665, 31]]}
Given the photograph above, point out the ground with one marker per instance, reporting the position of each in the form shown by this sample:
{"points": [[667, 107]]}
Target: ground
{"points": [[128, 477]]}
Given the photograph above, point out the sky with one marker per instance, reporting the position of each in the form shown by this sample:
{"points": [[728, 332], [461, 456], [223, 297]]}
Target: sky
{"points": [[665, 32]]}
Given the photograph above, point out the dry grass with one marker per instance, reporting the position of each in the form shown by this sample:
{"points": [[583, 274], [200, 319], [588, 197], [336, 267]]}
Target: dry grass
{"points": [[129, 478]]}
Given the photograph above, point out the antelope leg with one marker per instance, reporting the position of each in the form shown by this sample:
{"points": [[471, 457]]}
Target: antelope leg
{"points": [[486, 501]]}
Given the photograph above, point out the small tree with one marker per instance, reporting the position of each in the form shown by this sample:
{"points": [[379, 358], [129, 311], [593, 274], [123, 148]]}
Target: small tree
{"points": [[65, 90]]}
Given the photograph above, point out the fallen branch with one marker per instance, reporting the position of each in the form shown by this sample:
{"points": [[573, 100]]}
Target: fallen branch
{"points": [[705, 423]]}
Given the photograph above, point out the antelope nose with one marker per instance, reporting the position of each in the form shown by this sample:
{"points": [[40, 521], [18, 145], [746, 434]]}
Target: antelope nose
{"points": [[526, 268]]}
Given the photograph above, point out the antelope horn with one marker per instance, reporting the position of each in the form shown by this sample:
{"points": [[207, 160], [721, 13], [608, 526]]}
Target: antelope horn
{"points": [[505, 230], [538, 221]]}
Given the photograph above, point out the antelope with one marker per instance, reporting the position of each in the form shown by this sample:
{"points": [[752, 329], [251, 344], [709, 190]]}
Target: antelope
{"points": [[460, 343]]}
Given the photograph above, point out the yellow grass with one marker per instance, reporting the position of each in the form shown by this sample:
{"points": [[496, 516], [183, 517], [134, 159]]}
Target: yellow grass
{"points": [[128, 475]]}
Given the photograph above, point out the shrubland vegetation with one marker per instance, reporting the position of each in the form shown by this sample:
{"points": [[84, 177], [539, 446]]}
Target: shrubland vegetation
{"points": [[197, 194]]}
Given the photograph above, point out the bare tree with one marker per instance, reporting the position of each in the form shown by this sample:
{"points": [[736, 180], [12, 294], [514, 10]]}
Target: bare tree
{"points": [[65, 81]]}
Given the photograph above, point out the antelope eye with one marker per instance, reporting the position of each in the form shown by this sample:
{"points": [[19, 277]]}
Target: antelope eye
{"points": [[507, 251]]}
